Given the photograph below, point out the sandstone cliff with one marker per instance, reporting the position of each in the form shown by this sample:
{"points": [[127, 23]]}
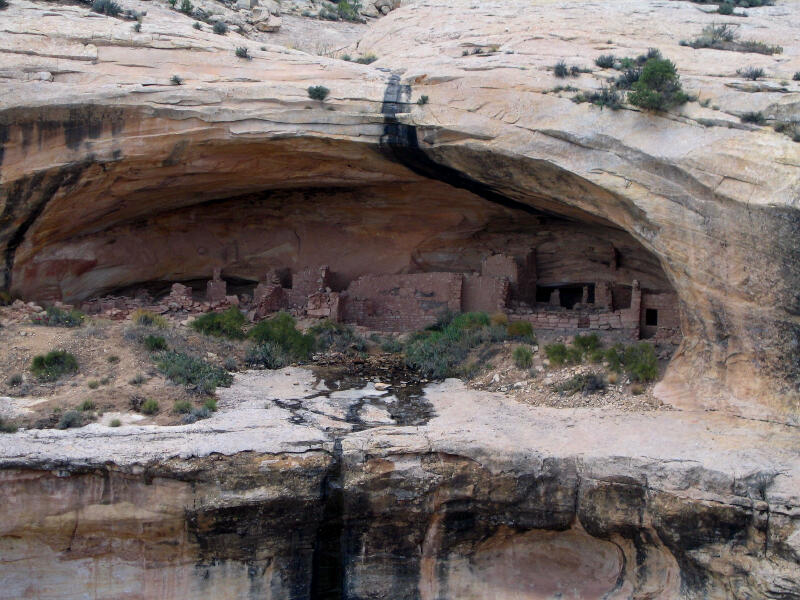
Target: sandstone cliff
{"points": [[97, 142]]}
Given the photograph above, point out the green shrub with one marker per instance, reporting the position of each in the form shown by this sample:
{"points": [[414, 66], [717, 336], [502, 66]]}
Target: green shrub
{"points": [[757, 118], [604, 98], [86, 405], [15, 380], [197, 414], [197, 25], [523, 357], [106, 7], [230, 363], [796, 76], [268, 355], [438, 351], [186, 7], [242, 52], [658, 87], [725, 37], [586, 383], [220, 28], [115, 423], [336, 336], [423, 100], [605, 61], [3, 6], [105, 381], [366, 59], [758, 47], [210, 404], [155, 342], [595, 355], [137, 27], [726, 8], [628, 77], [182, 407], [560, 69], [640, 362], [176, 80], [54, 364], [226, 324], [194, 373], [521, 330], [347, 57], [587, 343], [318, 92], [70, 419], [281, 331], [137, 379], [145, 318], [392, 345], [752, 73], [113, 359], [574, 355], [556, 354], [149, 407], [349, 10], [57, 317], [6, 427]]}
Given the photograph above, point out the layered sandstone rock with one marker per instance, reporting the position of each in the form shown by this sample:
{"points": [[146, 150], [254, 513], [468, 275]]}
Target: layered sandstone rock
{"points": [[99, 149], [289, 494]]}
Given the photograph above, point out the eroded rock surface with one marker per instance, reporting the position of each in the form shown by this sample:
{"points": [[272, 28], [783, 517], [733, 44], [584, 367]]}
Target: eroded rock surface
{"points": [[279, 495]]}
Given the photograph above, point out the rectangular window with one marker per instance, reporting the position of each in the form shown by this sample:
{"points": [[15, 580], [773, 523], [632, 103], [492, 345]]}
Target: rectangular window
{"points": [[651, 317]]}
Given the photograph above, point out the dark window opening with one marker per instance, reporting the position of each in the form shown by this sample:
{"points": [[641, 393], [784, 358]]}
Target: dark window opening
{"points": [[569, 295], [651, 317]]}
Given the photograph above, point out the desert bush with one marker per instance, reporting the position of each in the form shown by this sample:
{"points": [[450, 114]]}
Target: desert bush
{"points": [[149, 407], [5, 426], [3, 6], [155, 342], [113, 359], [423, 100], [349, 10], [498, 318], [392, 345], [366, 59], [640, 362], [115, 423], [146, 318], [752, 73], [267, 355], [197, 25], [604, 98], [605, 61], [318, 92], [521, 330], [242, 52], [556, 354], [182, 407], [137, 27], [281, 331], [231, 364], [15, 380], [757, 118], [227, 324], [137, 379], [106, 7], [726, 8], [790, 128], [210, 404], [176, 80], [197, 414], [438, 351], [220, 28], [560, 69], [336, 336], [54, 364], [86, 406], [658, 87], [58, 317], [587, 343], [523, 357], [586, 383], [192, 372], [796, 76], [723, 36], [70, 419], [186, 7]]}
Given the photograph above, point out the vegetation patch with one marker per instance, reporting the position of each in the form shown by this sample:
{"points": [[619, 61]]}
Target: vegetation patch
{"points": [[282, 342], [5, 426], [521, 330], [438, 351], [227, 324], [53, 365], [220, 28], [338, 337], [242, 52], [318, 92], [146, 318], [585, 383], [752, 73], [724, 36], [58, 317], [155, 342], [149, 407], [658, 87], [106, 7], [638, 361], [605, 97], [523, 357], [192, 372], [70, 419], [757, 118]]}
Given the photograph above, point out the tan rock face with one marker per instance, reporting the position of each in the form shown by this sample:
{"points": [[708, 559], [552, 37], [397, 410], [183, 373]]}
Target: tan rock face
{"points": [[104, 151]]}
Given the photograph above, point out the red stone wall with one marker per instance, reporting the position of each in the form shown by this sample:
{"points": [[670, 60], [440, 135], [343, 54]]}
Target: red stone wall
{"points": [[481, 293]]}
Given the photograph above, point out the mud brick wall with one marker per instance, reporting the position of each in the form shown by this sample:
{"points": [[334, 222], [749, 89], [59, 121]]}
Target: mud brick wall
{"points": [[310, 281], [481, 293], [666, 303], [402, 302]]}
